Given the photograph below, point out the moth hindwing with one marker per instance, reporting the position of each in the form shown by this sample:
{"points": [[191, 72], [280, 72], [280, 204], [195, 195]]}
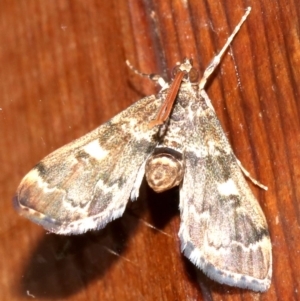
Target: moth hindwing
{"points": [[173, 138]]}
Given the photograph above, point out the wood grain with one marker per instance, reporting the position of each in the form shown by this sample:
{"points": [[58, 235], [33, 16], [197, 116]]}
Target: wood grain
{"points": [[63, 73]]}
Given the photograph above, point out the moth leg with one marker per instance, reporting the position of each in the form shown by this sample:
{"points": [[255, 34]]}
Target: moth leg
{"points": [[154, 77], [216, 60], [247, 174]]}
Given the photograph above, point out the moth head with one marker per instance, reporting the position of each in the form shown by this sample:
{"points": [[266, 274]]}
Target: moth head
{"points": [[191, 74], [164, 171]]}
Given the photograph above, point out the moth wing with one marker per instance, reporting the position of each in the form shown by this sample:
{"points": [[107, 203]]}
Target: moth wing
{"points": [[87, 183], [223, 229]]}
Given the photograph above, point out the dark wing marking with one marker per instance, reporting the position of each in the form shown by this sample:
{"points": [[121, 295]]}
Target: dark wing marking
{"points": [[223, 229], [87, 183]]}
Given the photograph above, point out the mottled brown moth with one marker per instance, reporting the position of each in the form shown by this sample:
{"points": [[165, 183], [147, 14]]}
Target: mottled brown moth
{"points": [[172, 138]]}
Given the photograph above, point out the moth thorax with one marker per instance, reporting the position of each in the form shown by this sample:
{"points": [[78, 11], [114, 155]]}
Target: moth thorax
{"points": [[164, 170]]}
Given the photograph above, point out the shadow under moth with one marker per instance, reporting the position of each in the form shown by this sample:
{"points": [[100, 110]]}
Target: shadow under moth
{"points": [[172, 138]]}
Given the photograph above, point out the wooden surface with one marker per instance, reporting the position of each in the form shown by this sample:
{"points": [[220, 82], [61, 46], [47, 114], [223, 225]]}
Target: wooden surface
{"points": [[63, 73]]}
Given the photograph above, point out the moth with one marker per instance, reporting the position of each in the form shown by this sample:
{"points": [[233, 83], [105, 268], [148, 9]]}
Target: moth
{"points": [[173, 139]]}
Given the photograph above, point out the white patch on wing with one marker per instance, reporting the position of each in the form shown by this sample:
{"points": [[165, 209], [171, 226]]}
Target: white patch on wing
{"points": [[227, 188], [211, 148], [34, 178], [95, 150]]}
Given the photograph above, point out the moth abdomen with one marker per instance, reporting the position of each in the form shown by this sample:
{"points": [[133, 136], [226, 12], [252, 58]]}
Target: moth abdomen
{"points": [[164, 169]]}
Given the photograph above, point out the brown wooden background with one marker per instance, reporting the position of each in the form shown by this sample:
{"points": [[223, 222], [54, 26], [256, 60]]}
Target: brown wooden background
{"points": [[63, 72]]}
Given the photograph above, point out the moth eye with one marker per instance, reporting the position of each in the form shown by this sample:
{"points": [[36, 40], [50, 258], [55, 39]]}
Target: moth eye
{"points": [[175, 70], [193, 75], [163, 172]]}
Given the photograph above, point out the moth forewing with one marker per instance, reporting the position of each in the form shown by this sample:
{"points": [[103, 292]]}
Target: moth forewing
{"points": [[223, 229], [87, 183]]}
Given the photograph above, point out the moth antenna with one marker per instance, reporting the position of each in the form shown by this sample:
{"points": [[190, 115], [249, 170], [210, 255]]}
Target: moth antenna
{"points": [[154, 77], [216, 60]]}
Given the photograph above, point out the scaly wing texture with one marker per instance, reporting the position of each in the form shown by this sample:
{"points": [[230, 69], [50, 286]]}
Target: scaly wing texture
{"points": [[223, 229], [87, 183]]}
